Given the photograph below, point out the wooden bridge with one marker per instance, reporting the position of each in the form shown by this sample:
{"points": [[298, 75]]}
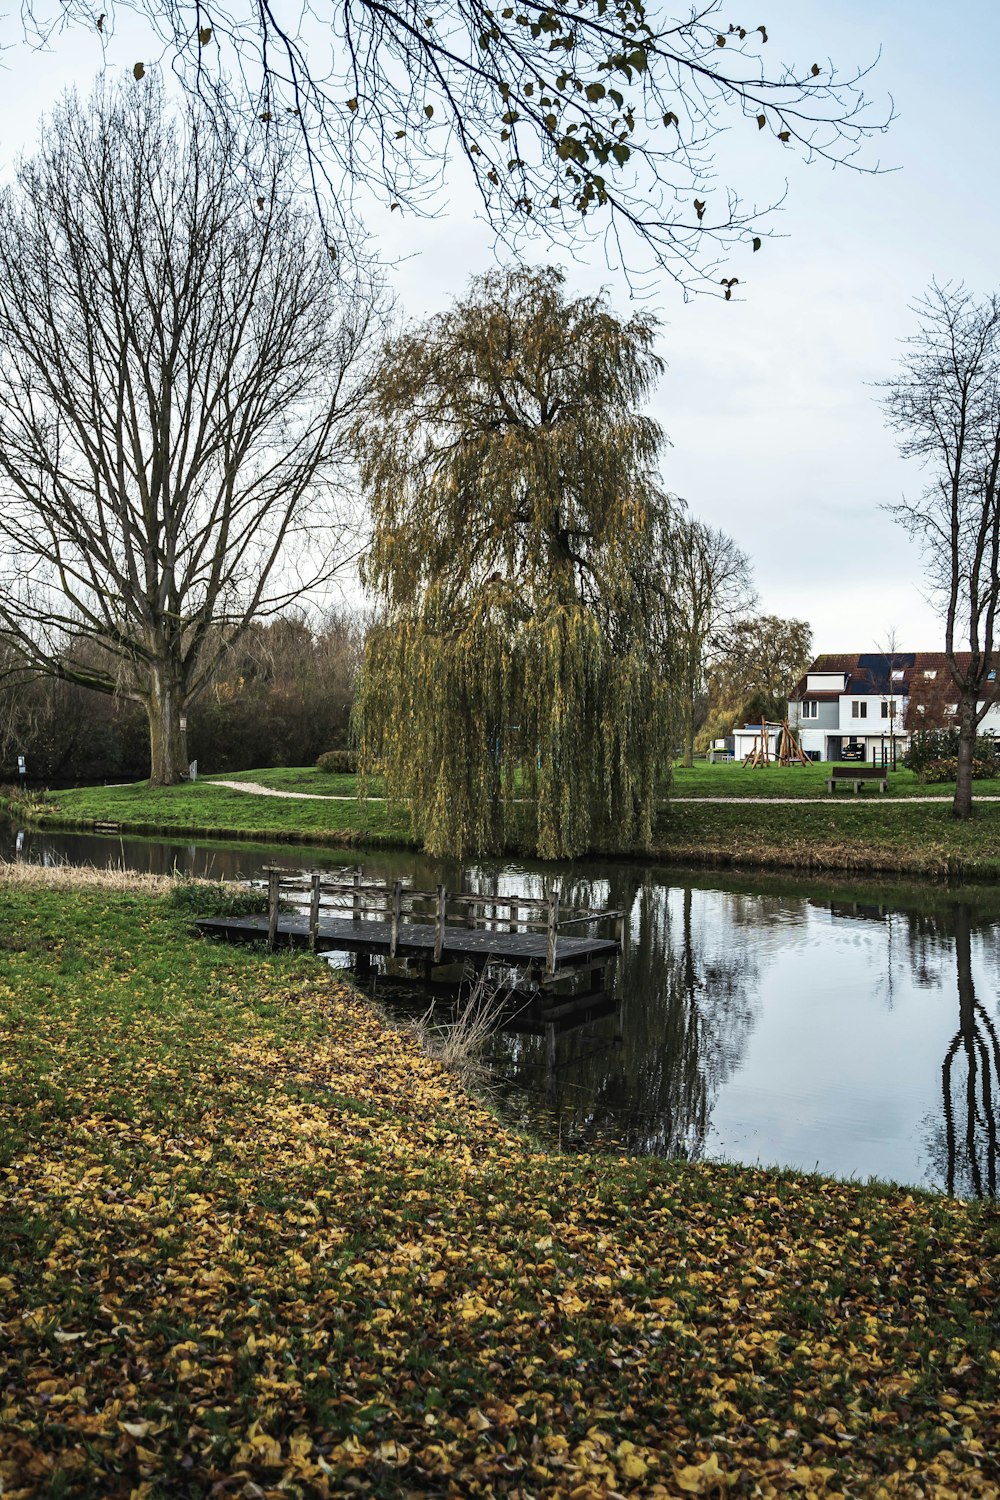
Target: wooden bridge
{"points": [[433, 928]]}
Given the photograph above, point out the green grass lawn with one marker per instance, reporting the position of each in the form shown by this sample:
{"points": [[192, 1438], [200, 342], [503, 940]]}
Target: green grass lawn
{"points": [[701, 780], [736, 780], [254, 1242]]}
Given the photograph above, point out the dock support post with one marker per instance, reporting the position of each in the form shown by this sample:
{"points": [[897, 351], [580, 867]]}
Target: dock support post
{"points": [[553, 929], [514, 914], [439, 920], [397, 901], [272, 908], [620, 929], [314, 912], [356, 897]]}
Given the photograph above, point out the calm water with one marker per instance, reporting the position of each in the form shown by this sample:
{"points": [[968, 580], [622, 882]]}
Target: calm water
{"points": [[851, 1029]]}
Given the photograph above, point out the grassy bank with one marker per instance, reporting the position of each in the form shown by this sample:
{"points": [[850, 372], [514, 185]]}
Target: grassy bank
{"points": [[904, 838], [252, 1241], [855, 834], [204, 810]]}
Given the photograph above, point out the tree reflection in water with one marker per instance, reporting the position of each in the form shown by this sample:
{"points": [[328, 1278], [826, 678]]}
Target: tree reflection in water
{"points": [[969, 1077], [962, 1140], [647, 1078], [689, 983]]}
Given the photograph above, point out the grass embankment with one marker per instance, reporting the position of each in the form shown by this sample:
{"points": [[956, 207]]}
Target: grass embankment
{"points": [[905, 838], [849, 835], [203, 810], [252, 1241]]}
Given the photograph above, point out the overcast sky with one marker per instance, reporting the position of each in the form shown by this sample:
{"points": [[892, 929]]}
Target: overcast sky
{"points": [[776, 436]]}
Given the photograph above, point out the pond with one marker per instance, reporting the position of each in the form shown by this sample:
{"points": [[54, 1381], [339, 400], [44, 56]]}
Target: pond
{"points": [[849, 1028]]}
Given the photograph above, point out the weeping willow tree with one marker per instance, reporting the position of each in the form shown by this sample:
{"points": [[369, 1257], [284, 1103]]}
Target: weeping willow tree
{"points": [[516, 684]]}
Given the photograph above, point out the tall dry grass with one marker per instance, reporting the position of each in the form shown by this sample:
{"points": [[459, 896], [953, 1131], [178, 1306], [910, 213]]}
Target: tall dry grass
{"points": [[83, 877], [459, 1042]]}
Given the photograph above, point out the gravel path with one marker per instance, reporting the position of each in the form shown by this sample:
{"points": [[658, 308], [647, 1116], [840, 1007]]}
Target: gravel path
{"points": [[256, 790]]}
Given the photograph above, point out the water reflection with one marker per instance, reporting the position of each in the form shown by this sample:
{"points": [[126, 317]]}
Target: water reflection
{"points": [[852, 1028], [647, 1077], [962, 1138]]}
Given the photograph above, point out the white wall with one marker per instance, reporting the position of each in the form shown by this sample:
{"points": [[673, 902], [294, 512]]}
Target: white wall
{"points": [[873, 722]]}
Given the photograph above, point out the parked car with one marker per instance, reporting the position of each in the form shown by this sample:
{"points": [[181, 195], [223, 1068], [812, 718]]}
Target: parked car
{"points": [[853, 750]]}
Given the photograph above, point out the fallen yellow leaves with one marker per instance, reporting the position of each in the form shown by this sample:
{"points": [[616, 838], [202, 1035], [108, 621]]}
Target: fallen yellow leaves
{"points": [[254, 1243]]}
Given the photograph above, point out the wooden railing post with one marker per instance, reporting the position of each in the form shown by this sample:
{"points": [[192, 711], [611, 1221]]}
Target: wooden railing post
{"points": [[439, 921], [620, 929], [397, 902], [272, 908], [553, 929], [514, 910], [314, 911], [356, 897]]}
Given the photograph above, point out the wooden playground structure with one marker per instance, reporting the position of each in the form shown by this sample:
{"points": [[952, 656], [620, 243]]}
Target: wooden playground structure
{"points": [[789, 751]]}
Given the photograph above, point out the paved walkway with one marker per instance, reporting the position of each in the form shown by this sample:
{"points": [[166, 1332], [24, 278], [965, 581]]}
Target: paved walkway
{"points": [[874, 799]]}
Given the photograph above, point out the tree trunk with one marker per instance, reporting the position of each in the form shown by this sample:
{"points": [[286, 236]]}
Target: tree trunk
{"points": [[689, 696], [168, 762], [967, 726]]}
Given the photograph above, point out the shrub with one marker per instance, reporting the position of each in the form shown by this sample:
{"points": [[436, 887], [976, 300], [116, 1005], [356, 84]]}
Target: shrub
{"points": [[206, 898], [930, 745], [343, 762], [945, 768], [27, 803]]}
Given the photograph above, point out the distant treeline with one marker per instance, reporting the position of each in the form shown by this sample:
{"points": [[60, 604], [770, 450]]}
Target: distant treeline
{"points": [[281, 698]]}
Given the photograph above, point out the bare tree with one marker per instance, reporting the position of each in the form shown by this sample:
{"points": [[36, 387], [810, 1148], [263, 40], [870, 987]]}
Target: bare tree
{"points": [[944, 405], [710, 589], [930, 704], [893, 691], [178, 356], [565, 113]]}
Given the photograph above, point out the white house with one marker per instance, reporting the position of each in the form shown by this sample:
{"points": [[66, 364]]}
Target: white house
{"points": [[858, 704]]}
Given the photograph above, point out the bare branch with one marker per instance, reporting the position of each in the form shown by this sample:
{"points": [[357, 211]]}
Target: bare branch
{"points": [[567, 115]]}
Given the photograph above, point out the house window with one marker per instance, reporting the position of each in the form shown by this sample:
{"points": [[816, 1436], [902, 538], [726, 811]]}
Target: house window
{"points": [[898, 675], [889, 709], [810, 710], [930, 676], [991, 677], [859, 710]]}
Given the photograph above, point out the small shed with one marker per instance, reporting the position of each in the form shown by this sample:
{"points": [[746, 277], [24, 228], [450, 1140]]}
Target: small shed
{"points": [[745, 738]]}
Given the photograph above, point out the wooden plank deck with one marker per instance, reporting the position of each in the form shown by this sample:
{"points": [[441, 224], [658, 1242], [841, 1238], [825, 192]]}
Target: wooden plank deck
{"points": [[416, 940]]}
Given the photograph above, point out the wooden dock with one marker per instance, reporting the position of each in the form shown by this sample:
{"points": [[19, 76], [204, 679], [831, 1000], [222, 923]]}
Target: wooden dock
{"points": [[433, 929]]}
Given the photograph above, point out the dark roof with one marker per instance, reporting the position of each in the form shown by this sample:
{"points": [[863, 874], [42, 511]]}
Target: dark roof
{"points": [[869, 672]]}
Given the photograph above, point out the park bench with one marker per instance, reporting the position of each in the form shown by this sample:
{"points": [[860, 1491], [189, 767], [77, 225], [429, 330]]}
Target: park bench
{"points": [[858, 775]]}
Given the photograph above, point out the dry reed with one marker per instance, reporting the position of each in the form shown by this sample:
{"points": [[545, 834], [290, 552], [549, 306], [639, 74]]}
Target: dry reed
{"points": [[459, 1043], [83, 877]]}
